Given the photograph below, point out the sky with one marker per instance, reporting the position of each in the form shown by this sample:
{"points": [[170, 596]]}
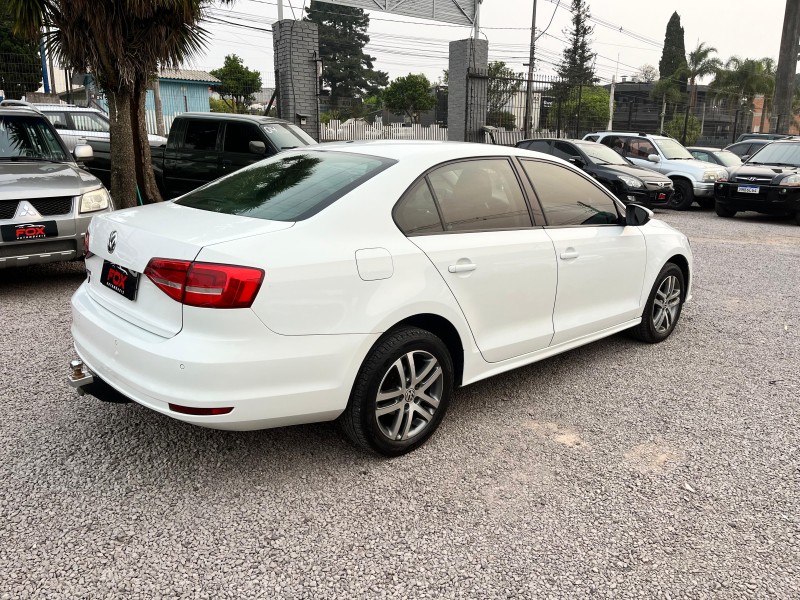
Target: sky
{"points": [[627, 34]]}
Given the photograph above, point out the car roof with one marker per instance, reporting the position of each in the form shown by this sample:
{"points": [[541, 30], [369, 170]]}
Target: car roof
{"points": [[234, 117], [422, 149], [705, 148], [19, 110], [634, 133], [69, 107]]}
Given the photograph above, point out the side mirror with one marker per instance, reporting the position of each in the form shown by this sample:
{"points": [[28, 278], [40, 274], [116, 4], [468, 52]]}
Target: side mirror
{"points": [[636, 215], [577, 161], [257, 147], [83, 152], [654, 158], [744, 157]]}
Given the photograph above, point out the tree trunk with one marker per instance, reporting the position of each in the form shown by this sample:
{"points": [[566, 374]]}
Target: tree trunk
{"points": [[123, 165], [764, 109], [156, 87], [148, 189]]}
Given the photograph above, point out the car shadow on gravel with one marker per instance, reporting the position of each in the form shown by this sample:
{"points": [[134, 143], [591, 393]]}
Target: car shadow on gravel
{"points": [[50, 274]]}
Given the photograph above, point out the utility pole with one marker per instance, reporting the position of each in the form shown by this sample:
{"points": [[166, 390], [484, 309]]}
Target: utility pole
{"points": [[787, 65], [610, 126], [477, 19], [529, 94]]}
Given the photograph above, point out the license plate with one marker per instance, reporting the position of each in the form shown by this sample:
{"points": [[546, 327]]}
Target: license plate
{"points": [[748, 189], [121, 280], [662, 196], [28, 231]]}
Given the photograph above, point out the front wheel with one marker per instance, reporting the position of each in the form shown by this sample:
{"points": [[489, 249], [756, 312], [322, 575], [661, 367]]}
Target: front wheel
{"points": [[797, 217], [663, 308], [724, 211], [683, 196], [401, 393]]}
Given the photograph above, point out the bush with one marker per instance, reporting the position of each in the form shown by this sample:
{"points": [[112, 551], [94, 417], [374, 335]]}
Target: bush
{"points": [[674, 128], [502, 119]]}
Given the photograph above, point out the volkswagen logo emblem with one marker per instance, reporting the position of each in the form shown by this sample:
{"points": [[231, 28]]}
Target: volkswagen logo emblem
{"points": [[112, 242]]}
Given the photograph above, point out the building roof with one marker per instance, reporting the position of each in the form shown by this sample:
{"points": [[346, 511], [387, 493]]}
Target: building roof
{"points": [[188, 75]]}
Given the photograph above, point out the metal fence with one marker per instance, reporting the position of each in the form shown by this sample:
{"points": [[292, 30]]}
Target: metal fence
{"points": [[360, 129]]}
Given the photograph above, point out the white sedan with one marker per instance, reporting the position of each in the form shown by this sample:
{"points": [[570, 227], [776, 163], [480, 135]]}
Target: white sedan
{"points": [[364, 282]]}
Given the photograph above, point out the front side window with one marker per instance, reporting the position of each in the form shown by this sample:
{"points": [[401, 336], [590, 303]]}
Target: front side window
{"points": [[23, 136], [286, 187], [480, 194], [640, 148], [201, 135], [238, 137], [567, 198]]}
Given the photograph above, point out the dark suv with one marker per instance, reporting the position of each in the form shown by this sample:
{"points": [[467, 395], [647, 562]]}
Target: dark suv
{"points": [[768, 183]]}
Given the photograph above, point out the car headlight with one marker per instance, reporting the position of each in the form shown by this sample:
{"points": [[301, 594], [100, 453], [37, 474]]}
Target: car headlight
{"points": [[791, 180], [631, 182], [715, 176], [94, 200]]}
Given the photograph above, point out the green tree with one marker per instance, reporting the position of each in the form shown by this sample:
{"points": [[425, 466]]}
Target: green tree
{"points": [[122, 42], [593, 103], [503, 85], [238, 84], [347, 70], [700, 64], [409, 95], [577, 63], [20, 65], [741, 80], [674, 128], [673, 57]]}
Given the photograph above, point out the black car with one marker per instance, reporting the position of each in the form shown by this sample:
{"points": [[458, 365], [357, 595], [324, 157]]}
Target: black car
{"points": [[747, 148], [768, 183], [726, 158], [628, 182]]}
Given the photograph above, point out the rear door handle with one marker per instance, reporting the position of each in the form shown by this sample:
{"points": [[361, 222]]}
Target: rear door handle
{"points": [[462, 267], [569, 254]]}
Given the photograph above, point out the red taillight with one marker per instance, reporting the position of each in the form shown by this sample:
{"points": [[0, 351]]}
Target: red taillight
{"points": [[205, 285], [86, 253], [192, 410]]}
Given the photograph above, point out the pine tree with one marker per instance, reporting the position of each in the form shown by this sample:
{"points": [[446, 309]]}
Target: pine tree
{"points": [[673, 57], [577, 64], [347, 70]]}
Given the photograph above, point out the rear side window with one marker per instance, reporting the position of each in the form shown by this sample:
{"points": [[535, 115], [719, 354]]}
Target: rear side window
{"points": [[479, 195], [567, 198], [287, 187], [201, 135], [417, 213], [86, 121]]}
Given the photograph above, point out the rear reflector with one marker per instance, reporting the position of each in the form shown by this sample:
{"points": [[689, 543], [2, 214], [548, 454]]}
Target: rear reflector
{"points": [[192, 410], [86, 253], [205, 285]]}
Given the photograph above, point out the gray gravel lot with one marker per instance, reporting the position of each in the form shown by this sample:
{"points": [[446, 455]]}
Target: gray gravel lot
{"points": [[617, 470]]}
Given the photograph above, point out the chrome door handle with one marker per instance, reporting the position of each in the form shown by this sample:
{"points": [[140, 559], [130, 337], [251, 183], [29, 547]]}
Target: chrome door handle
{"points": [[462, 268], [569, 254]]}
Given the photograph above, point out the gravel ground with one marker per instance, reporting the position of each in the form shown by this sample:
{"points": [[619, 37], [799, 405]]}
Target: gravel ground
{"points": [[617, 470]]}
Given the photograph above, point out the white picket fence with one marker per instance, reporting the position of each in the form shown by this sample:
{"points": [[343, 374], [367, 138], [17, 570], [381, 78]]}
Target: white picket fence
{"points": [[362, 130]]}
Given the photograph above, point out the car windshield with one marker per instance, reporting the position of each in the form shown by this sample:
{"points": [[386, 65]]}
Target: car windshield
{"points": [[287, 187], [781, 154], [672, 149], [728, 159], [28, 137], [602, 154], [287, 136]]}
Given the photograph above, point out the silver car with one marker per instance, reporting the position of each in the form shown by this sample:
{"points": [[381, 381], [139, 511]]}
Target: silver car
{"points": [[46, 198]]}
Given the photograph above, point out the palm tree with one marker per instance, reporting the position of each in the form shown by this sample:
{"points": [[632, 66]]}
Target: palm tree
{"points": [[700, 64], [122, 43], [743, 79]]}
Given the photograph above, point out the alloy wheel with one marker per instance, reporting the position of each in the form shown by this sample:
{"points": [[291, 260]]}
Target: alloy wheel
{"points": [[409, 395], [666, 304]]}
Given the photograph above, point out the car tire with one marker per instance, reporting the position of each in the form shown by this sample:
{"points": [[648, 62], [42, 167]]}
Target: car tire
{"points": [[683, 196], [724, 211], [797, 217], [663, 308], [706, 203], [401, 393]]}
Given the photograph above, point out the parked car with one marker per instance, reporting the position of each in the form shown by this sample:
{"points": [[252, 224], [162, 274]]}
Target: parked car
{"points": [[364, 281], [725, 158], [628, 182], [81, 125], [693, 179], [761, 136], [769, 183], [205, 146], [46, 198], [747, 148]]}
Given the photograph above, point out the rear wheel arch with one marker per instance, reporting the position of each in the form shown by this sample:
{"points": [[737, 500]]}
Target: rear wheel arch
{"points": [[445, 331]]}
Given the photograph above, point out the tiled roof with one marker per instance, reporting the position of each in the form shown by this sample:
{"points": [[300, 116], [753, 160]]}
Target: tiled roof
{"points": [[188, 75]]}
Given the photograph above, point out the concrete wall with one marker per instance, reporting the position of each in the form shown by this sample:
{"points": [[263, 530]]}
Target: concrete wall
{"points": [[296, 43], [465, 55]]}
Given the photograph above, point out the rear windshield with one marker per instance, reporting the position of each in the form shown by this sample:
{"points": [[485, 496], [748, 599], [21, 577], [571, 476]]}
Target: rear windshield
{"points": [[287, 187]]}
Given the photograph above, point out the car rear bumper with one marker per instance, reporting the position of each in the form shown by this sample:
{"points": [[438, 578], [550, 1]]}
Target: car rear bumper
{"points": [[268, 380], [771, 200]]}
